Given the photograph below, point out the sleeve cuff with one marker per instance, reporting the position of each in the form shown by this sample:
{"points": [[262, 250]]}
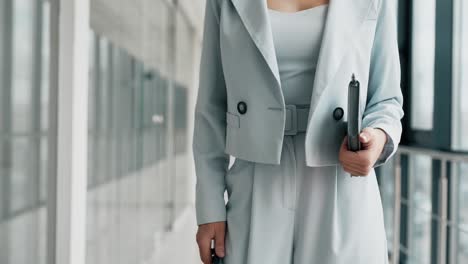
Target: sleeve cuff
{"points": [[209, 208], [386, 151], [389, 148]]}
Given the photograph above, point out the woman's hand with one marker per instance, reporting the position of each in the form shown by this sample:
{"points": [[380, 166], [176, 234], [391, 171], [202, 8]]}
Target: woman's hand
{"points": [[361, 162], [207, 232]]}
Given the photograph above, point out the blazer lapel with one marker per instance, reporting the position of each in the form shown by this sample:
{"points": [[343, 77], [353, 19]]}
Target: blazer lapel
{"points": [[254, 16], [343, 19]]}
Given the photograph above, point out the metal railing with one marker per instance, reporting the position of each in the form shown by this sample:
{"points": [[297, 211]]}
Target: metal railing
{"points": [[445, 158]]}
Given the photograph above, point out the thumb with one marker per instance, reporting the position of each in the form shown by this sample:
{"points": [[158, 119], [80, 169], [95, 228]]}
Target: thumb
{"points": [[219, 241], [365, 136], [344, 144]]}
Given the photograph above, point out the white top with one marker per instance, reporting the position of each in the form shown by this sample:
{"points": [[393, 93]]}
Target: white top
{"points": [[297, 38]]}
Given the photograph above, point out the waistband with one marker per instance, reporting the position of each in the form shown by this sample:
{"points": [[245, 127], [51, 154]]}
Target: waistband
{"points": [[296, 119]]}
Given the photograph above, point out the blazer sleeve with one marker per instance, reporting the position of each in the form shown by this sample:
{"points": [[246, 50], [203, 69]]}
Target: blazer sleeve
{"points": [[384, 106], [211, 162]]}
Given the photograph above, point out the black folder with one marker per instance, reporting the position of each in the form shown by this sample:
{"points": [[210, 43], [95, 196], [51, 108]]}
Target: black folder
{"points": [[354, 115]]}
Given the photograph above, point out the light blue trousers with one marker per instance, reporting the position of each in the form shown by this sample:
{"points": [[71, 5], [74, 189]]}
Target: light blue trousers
{"points": [[291, 213]]}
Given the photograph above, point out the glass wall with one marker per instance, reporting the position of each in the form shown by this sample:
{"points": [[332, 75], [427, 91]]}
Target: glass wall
{"points": [[184, 73], [415, 208], [459, 216], [140, 73], [460, 91], [422, 64], [459, 185], [423, 173], [421, 229], [24, 103], [419, 206]]}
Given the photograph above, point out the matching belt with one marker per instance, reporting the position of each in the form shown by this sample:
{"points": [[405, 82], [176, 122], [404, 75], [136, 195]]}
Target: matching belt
{"points": [[296, 119]]}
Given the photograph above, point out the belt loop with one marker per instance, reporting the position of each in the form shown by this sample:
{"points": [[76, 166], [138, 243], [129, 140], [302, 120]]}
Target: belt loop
{"points": [[291, 110]]}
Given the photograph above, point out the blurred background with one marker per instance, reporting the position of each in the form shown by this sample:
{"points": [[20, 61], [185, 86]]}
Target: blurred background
{"points": [[96, 105]]}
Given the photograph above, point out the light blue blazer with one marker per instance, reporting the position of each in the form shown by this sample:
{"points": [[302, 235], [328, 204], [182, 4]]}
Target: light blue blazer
{"points": [[238, 64]]}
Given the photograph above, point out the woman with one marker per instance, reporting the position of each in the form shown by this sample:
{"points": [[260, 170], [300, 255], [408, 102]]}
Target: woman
{"points": [[273, 93]]}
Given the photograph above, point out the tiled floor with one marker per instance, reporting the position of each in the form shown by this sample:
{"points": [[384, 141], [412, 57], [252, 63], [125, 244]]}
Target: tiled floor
{"points": [[179, 246]]}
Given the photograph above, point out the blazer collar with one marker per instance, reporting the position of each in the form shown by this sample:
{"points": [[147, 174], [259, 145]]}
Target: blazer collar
{"points": [[343, 19]]}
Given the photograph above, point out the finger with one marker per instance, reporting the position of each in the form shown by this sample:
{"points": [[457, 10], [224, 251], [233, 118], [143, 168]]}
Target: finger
{"points": [[353, 158], [358, 170], [358, 161], [366, 137], [346, 154], [344, 144], [204, 247], [365, 158], [343, 150], [219, 241], [357, 157], [352, 170]]}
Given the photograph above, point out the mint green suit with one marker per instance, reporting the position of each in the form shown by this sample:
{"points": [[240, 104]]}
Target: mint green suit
{"points": [[290, 201]]}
